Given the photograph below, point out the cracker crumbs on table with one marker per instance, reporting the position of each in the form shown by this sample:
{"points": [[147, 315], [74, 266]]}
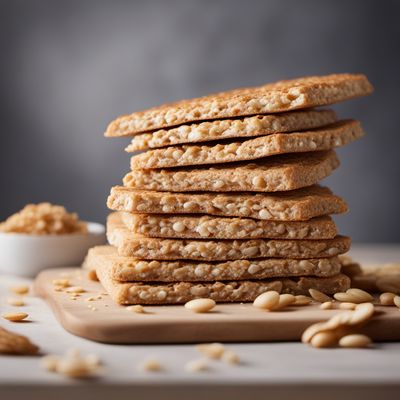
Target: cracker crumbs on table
{"points": [[43, 219], [151, 364], [72, 364]]}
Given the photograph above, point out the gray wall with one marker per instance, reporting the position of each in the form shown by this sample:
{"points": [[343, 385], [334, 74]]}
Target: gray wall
{"points": [[68, 67]]}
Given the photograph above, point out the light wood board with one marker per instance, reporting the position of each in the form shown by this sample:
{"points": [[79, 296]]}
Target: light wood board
{"points": [[111, 323]]}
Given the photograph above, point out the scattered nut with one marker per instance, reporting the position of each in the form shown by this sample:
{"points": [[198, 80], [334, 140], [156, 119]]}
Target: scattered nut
{"points": [[285, 300], [267, 301], [324, 339], [363, 312], [327, 305], [14, 316], [319, 296], [347, 306], [387, 299], [200, 305], [354, 296], [355, 340], [21, 290], [211, 350], [326, 334], [301, 300]]}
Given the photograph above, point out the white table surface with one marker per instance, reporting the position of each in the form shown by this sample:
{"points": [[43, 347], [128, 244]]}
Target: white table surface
{"points": [[268, 370]]}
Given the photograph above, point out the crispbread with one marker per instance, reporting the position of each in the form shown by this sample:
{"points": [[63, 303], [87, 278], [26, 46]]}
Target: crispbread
{"points": [[272, 174], [271, 98], [257, 125], [128, 269], [297, 205], [132, 245], [193, 227], [338, 134], [233, 291]]}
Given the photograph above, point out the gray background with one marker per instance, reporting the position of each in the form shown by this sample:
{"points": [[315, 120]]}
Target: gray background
{"points": [[68, 67]]}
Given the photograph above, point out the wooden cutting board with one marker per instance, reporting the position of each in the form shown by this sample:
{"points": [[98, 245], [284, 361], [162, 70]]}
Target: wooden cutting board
{"points": [[110, 323]]}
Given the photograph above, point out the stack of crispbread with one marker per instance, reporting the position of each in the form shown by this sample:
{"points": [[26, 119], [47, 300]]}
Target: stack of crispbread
{"points": [[224, 202]]}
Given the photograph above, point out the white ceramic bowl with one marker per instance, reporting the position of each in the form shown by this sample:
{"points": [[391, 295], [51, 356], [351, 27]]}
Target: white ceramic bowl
{"points": [[26, 255]]}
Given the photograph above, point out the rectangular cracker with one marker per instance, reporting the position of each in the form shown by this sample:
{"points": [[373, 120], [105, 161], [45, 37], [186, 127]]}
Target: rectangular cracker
{"points": [[338, 134], [297, 205], [234, 291], [272, 174], [128, 269], [195, 227], [275, 97], [132, 245], [257, 125]]}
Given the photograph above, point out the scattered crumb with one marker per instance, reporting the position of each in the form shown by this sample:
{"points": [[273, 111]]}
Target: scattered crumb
{"points": [[150, 365], [197, 365], [75, 289], [12, 301], [138, 309], [230, 357], [72, 364], [211, 350]]}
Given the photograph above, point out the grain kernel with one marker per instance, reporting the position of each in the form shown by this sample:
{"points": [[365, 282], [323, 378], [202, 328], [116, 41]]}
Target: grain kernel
{"points": [[218, 184], [396, 301], [200, 305], [178, 227], [14, 316], [355, 340], [264, 214], [267, 301], [258, 182]]}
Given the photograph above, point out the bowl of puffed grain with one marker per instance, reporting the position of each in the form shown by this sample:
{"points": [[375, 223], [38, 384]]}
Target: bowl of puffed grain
{"points": [[43, 236]]}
